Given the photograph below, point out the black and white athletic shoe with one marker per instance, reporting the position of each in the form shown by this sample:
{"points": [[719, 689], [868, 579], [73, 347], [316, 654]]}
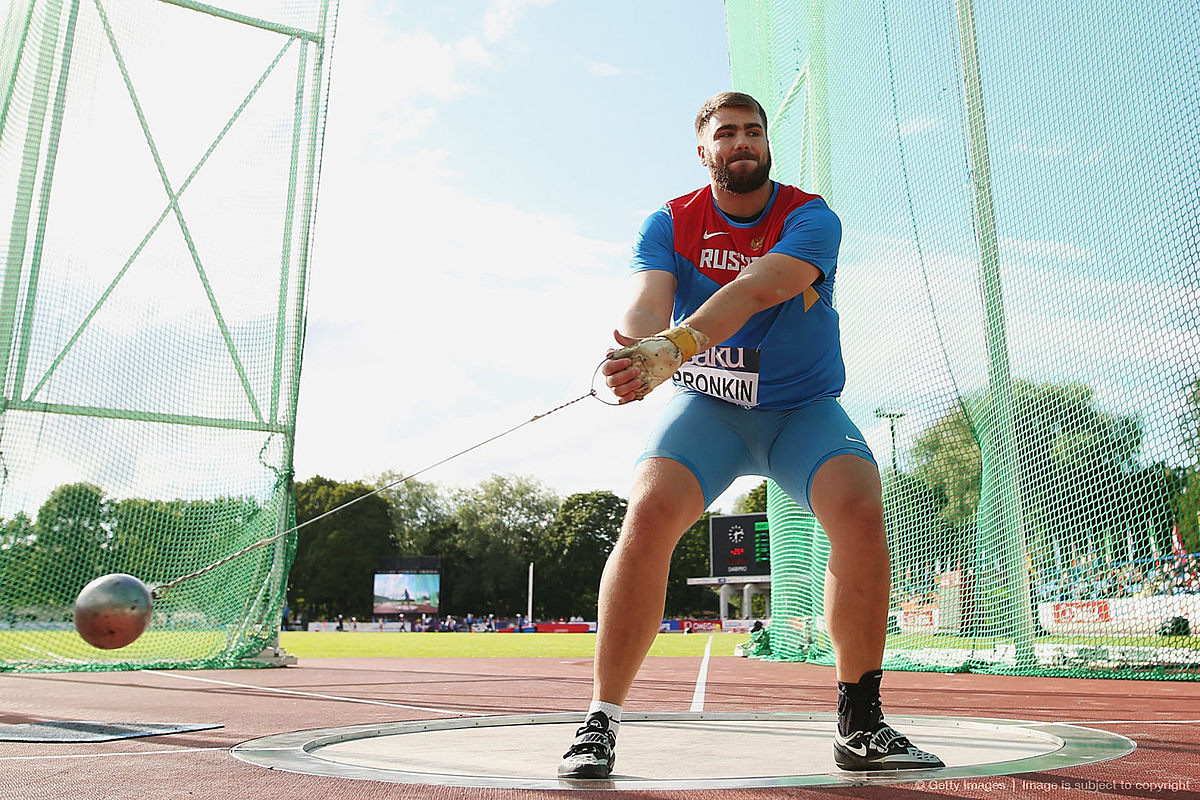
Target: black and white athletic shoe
{"points": [[594, 751], [881, 748], [863, 741]]}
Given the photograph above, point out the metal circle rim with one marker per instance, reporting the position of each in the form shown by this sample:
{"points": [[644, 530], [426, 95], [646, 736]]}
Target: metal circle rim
{"points": [[1076, 745]]}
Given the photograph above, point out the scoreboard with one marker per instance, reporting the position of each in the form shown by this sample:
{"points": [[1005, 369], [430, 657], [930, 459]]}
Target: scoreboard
{"points": [[739, 545]]}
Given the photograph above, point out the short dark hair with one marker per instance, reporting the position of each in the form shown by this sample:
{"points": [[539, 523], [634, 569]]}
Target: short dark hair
{"points": [[728, 100]]}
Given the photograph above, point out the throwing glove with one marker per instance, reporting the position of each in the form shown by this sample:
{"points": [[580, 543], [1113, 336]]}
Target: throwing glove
{"points": [[657, 357]]}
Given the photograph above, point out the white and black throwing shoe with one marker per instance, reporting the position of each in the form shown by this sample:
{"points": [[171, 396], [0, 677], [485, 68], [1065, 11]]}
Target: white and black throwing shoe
{"points": [[594, 751], [881, 748], [863, 741]]}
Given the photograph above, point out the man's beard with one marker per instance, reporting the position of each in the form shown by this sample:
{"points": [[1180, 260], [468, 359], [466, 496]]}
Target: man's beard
{"points": [[742, 182]]}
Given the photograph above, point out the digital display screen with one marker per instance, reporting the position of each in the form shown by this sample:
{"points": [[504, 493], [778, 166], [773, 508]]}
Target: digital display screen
{"points": [[740, 545], [407, 593]]}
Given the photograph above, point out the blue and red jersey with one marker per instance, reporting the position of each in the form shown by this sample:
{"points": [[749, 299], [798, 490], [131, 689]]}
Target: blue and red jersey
{"points": [[783, 357]]}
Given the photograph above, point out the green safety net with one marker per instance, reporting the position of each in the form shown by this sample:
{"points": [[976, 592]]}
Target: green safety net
{"points": [[158, 176], [1019, 289]]}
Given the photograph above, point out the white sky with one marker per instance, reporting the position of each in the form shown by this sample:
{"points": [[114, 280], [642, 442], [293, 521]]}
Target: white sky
{"points": [[486, 166]]}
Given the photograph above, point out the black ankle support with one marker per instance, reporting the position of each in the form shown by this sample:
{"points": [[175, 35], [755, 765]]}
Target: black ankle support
{"points": [[858, 703]]}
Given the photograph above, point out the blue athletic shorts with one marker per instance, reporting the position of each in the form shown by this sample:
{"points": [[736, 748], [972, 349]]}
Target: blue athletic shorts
{"points": [[719, 441]]}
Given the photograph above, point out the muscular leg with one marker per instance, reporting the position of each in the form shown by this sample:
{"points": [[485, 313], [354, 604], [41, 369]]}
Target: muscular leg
{"points": [[665, 502], [846, 499]]}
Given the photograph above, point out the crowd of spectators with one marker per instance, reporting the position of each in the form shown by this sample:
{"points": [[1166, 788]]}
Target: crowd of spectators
{"points": [[917, 586], [1099, 580], [1081, 580], [422, 623], [431, 623]]}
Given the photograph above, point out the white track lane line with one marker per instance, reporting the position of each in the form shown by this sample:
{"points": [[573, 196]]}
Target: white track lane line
{"points": [[1114, 722], [702, 678], [316, 695], [61, 658]]}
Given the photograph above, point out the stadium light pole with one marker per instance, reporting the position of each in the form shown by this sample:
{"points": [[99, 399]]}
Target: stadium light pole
{"points": [[891, 415]]}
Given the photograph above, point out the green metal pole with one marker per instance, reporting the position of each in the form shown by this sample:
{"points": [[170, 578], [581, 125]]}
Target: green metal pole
{"points": [[12, 52], [819, 103], [289, 223], [815, 141], [47, 36], [307, 210], [1000, 517], [246, 19], [308, 106], [43, 213]]}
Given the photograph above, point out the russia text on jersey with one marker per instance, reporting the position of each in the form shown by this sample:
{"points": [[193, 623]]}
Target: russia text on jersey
{"points": [[712, 258]]}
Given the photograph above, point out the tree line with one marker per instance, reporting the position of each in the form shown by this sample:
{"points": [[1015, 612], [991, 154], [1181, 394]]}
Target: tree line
{"points": [[486, 537], [1079, 479], [79, 534]]}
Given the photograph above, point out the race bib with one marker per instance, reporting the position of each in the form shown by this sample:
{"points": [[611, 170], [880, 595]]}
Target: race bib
{"points": [[726, 373]]}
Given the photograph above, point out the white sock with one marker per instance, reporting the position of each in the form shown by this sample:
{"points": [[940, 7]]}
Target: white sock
{"points": [[613, 712]]}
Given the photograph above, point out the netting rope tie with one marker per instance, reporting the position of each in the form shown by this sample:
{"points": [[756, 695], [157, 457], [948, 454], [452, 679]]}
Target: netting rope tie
{"points": [[161, 589]]}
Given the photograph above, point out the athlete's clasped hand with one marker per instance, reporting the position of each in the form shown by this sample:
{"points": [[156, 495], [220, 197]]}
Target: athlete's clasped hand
{"points": [[639, 365]]}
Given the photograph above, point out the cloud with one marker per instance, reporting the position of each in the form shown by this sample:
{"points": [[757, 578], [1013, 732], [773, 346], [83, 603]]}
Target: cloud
{"points": [[1011, 247], [430, 331], [604, 70], [1058, 147], [501, 16], [917, 125], [470, 50]]}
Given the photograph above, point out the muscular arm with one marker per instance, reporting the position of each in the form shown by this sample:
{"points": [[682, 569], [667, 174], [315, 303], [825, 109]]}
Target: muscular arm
{"points": [[648, 313], [773, 279], [653, 301]]}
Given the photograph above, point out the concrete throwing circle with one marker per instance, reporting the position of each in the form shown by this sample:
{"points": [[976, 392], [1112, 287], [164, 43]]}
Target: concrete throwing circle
{"points": [[685, 750]]}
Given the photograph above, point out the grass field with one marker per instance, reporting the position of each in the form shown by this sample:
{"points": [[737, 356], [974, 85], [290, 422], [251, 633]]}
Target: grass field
{"points": [[65, 645], [345, 644]]}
